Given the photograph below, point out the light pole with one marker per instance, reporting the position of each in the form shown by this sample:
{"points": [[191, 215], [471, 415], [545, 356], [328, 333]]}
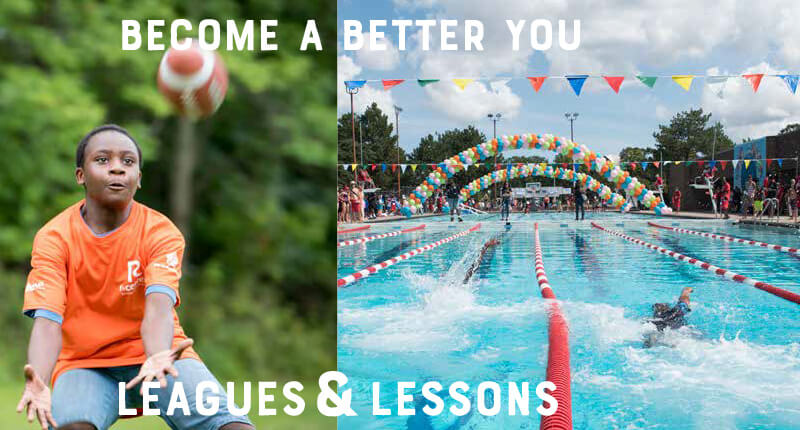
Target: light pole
{"points": [[351, 91], [494, 117], [571, 117], [397, 110], [361, 138]]}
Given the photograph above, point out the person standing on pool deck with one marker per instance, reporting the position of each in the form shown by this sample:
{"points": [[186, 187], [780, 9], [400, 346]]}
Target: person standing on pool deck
{"points": [[676, 200], [102, 291], [578, 193], [506, 208], [726, 197], [452, 200], [792, 201]]}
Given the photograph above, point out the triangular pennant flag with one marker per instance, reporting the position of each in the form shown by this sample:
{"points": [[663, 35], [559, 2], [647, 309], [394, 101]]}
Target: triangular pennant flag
{"points": [[576, 81], [354, 84], [769, 161], [677, 162], [712, 164], [563, 165], [689, 162], [717, 85], [647, 80], [723, 163], [746, 163], [537, 81], [755, 80], [700, 163], [372, 167], [462, 83], [791, 81], [644, 165], [354, 167], [576, 167], [394, 167], [780, 162], [657, 163], [685, 81], [413, 167], [383, 167], [403, 167], [614, 82], [497, 85], [423, 82], [389, 83], [633, 166]]}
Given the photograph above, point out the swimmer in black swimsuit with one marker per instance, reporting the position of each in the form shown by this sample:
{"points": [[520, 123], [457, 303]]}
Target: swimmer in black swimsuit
{"points": [[665, 316]]}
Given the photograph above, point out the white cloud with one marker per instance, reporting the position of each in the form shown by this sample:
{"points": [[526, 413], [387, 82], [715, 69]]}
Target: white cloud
{"points": [[663, 113], [347, 69], [474, 102], [748, 114], [386, 59]]}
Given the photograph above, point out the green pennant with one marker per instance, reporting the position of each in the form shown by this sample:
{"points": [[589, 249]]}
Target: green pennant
{"points": [[423, 82], [689, 163], [648, 80]]}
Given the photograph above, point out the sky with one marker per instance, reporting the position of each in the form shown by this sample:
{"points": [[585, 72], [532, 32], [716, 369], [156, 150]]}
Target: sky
{"points": [[617, 37]]}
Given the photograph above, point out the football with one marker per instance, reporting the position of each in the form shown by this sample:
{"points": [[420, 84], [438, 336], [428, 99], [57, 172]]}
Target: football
{"points": [[193, 80]]}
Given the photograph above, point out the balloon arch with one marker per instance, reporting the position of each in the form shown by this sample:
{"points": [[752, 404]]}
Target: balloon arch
{"points": [[579, 153]]}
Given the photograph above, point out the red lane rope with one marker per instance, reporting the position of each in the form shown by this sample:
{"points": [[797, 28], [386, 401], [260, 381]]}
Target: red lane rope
{"points": [[558, 352], [378, 236], [727, 274], [350, 230], [729, 238], [363, 273]]}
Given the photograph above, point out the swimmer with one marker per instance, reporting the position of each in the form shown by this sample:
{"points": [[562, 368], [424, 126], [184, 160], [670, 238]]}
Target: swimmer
{"points": [[489, 243], [665, 316]]}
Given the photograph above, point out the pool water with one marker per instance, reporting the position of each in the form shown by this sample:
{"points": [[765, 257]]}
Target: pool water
{"points": [[736, 366]]}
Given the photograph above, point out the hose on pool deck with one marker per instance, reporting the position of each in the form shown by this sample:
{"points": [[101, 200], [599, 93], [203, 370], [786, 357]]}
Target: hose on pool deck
{"points": [[558, 371], [725, 273]]}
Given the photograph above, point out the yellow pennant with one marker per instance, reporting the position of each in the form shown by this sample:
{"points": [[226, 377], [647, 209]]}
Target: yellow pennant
{"points": [[462, 83], [677, 162], [353, 166], [746, 163], [413, 167], [685, 81]]}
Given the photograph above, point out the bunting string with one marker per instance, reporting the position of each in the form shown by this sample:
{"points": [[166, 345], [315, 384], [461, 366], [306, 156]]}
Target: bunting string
{"points": [[716, 83]]}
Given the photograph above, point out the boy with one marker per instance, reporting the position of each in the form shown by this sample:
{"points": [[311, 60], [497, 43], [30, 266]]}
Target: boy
{"points": [[102, 291]]}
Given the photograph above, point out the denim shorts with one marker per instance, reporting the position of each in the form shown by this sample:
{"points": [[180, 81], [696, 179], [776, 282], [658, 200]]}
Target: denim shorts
{"points": [[92, 396]]}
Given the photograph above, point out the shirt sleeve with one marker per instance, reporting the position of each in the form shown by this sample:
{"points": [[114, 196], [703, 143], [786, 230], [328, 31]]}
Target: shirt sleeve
{"points": [[46, 287], [165, 260]]}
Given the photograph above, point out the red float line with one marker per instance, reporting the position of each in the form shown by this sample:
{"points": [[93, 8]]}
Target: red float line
{"points": [[363, 273], [729, 239], [725, 273], [558, 371], [350, 230], [378, 236]]}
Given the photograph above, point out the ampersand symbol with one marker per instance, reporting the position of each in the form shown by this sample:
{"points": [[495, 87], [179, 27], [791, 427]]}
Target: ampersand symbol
{"points": [[342, 404]]}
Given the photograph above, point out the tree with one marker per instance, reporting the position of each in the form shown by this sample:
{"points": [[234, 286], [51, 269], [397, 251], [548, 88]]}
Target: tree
{"points": [[790, 128], [689, 136], [439, 147], [631, 154]]}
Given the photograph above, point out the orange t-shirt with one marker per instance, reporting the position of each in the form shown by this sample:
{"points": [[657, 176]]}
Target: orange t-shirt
{"points": [[97, 284]]}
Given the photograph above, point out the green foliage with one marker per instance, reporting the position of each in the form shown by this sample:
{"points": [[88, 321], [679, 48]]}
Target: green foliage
{"points": [[790, 128], [689, 135], [257, 293]]}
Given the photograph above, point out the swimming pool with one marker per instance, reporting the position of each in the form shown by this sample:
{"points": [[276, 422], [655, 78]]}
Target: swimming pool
{"points": [[737, 366]]}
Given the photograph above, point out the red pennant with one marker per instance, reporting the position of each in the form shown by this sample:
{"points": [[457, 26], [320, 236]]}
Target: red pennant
{"points": [[537, 82], [372, 167], [394, 166], [656, 163], [723, 164], [633, 166], [755, 80], [389, 83], [498, 166], [614, 82], [563, 165], [769, 161], [431, 166], [700, 163]]}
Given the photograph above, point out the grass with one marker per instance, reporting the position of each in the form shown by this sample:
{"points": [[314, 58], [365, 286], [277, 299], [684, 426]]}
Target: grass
{"points": [[310, 419]]}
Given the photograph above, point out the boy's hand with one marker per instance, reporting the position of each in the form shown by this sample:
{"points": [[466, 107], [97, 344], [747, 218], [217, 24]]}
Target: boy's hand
{"points": [[36, 398], [158, 365]]}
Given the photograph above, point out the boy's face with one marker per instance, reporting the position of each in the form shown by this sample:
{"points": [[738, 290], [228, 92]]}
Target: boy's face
{"points": [[110, 171]]}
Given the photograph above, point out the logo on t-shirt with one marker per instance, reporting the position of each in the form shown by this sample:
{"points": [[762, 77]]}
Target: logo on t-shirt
{"points": [[172, 262], [31, 287], [134, 278]]}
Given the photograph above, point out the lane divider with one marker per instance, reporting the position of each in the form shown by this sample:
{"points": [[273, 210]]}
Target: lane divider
{"points": [[350, 230], [378, 236], [725, 273], [363, 273], [558, 371], [729, 239]]}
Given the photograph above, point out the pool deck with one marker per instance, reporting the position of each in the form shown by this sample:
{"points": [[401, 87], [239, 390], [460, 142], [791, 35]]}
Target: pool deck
{"points": [[784, 222]]}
